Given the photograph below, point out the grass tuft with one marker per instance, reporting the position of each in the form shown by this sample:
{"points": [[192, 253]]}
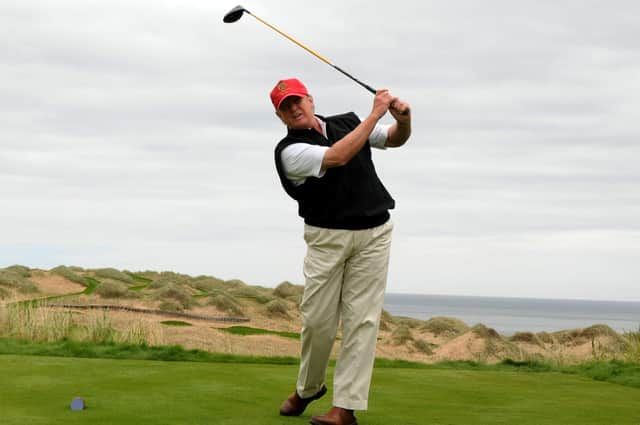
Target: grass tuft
{"points": [[632, 346], [424, 347], [527, 337], [69, 274], [114, 274], [409, 322], [226, 303], [112, 289], [447, 326], [401, 335], [483, 331], [21, 271], [277, 308], [287, 289], [16, 279], [178, 294]]}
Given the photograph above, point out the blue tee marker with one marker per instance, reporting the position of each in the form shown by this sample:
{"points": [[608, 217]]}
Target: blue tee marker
{"points": [[77, 404]]}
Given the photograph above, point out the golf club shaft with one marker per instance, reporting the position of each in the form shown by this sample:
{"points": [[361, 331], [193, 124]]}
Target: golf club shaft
{"points": [[313, 52]]}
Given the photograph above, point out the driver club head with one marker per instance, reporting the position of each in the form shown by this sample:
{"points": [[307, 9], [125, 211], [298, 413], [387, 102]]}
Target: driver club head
{"points": [[234, 14]]}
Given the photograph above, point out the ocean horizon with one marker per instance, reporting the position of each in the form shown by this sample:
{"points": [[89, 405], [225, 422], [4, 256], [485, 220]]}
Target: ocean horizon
{"points": [[509, 315]]}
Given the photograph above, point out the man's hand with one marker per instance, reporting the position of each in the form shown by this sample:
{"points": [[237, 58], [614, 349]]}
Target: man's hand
{"points": [[400, 131], [400, 110], [381, 103]]}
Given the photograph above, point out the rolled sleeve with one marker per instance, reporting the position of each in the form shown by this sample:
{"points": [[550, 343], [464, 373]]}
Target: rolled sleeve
{"points": [[378, 136], [302, 160]]}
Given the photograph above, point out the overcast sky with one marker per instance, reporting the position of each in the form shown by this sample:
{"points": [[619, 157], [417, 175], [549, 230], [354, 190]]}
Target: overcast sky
{"points": [[138, 134]]}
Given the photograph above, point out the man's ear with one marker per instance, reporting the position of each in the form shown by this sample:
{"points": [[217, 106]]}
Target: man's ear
{"points": [[279, 115]]}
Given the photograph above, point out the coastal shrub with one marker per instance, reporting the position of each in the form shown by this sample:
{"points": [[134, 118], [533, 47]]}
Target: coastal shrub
{"points": [[224, 302], [598, 330], [178, 294], [385, 316], [253, 293], [68, 274], [167, 278], [632, 346], [423, 346], [483, 331], [574, 337], [114, 274], [401, 335], [545, 337], [21, 271], [447, 326], [287, 289], [569, 337], [409, 322], [10, 279], [234, 284], [386, 320], [277, 308], [28, 287], [171, 306], [208, 284], [112, 289], [14, 279], [527, 337]]}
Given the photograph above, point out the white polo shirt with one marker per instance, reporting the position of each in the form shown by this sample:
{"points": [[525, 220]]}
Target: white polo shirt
{"points": [[302, 160]]}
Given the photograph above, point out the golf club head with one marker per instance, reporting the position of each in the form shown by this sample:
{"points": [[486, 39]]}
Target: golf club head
{"points": [[234, 14]]}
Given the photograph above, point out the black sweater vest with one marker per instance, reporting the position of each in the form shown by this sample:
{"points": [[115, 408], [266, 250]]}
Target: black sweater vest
{"points": [[347, 197]]}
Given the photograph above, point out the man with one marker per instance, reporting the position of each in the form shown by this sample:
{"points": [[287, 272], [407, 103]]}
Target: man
{"points": [[325, 165]]}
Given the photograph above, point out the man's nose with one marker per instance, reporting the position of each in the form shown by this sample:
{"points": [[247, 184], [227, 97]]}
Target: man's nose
{"points": [[292, 107]]}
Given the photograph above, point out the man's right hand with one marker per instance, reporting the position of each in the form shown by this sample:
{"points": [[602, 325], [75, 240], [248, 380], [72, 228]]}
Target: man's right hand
{"points": [[381, 103]]}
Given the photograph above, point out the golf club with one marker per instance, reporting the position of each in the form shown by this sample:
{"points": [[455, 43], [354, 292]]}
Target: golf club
{"points": [[236, 13]]}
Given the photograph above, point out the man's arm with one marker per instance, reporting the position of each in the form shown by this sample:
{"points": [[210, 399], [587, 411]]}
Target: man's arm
{"points": [[341, 152], [400, 131]]}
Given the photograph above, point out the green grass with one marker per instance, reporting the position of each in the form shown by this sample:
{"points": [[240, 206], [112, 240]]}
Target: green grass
{"points": [[138, 288], [141, 280], [175, 323], [91, 284], [90, 350], [245, 330], [38, 390]]}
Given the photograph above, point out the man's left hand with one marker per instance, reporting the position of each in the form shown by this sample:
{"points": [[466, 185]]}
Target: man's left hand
{"points": [[401, 111]]}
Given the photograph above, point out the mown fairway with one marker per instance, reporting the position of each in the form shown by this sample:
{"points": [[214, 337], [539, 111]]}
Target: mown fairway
{"points": [[38, 390]]}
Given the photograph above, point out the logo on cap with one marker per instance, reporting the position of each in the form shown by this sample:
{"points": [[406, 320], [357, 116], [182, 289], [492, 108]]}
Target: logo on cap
{"points": [[286, 88]]}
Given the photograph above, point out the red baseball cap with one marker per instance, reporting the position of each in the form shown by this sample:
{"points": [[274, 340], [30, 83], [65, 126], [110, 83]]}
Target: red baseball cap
{"points": [[286, 88]]}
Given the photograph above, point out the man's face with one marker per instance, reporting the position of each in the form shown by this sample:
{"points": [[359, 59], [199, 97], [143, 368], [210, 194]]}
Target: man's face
{"points": [[297, 112]]}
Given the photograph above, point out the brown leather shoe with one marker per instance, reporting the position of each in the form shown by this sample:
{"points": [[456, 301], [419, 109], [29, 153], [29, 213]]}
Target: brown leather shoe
{"points": [[295, 405], [335, 416]]}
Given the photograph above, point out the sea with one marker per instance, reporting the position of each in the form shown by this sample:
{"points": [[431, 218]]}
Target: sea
{"points": [[511, 315]]}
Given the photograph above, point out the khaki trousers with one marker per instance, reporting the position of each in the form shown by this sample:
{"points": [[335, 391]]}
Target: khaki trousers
{"points": [[345, 279]]}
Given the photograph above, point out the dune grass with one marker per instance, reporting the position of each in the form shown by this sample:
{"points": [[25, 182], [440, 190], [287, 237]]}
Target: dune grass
{"points": [[38, 390]]}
